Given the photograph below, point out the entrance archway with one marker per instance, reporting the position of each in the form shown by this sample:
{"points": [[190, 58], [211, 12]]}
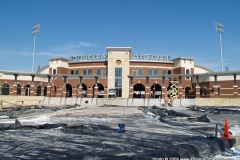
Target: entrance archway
{"points": [[69, 90], [156, 90], [100, 90], [5, 89], [45, 91], [27, 90], [19, 90], [187, 91], [139, 91], [84, 90], [39, 90]]}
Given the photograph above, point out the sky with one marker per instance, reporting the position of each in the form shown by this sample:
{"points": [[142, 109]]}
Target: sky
{"points": [[178, 28]]}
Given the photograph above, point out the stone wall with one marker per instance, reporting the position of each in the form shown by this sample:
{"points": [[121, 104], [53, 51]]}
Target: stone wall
{"points": [[217, 101]]}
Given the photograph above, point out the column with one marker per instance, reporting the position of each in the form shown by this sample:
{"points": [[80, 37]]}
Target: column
{"points": [[90, 92], [180, 88], [15, 85], [80, 87], [105, 92], [32, 90], [131, 88], [96, 88], [147, 90], [235, 86], [215, 87], [164, 92], [64, 91], [48, 86], [197, 87]]}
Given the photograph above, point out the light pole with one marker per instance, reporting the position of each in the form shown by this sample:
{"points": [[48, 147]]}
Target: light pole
{"points": [[219, 28], [35, 31]]}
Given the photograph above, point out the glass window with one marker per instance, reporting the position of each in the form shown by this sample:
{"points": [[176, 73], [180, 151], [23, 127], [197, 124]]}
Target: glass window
{"points": [[187, 72], [104, 73], [72, 72], [84, 72], [89, 71], [118, 82], [149, 71], [140, 72], [118, 72], [76, 72], [164, 71], [155, 72], [54, 71], [98, 72], [134, 72]]}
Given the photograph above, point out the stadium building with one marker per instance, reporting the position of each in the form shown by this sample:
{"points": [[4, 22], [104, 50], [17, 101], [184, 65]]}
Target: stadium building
{"points": [[121, 73]]}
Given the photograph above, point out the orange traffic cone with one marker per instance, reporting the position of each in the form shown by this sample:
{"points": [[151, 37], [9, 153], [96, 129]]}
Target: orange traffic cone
{"points": [[226, 135]]}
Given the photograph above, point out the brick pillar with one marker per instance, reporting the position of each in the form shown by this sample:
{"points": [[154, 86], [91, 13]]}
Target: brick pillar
{"points": [[235, 91], [90, 93], [164, 92], [105, 92], [180, 91], [215, 91], [32, 90], [14, 90], [197, 91], [59, 92], [147, 94], [23, 91], [95, 92], [74, 92], [131, 92], [80, 91], [64, 92], [48, 91]]}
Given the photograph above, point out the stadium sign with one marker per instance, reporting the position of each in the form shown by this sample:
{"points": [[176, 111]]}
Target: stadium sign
{"points": [[151, 57]]}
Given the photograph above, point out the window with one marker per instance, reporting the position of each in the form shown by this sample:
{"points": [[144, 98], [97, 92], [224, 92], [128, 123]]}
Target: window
{"points": [[169, 72], [98, 72], [72, 72], [104, 73], [140, 72], [187, 72], [118, 81], [134, 72], [84, 72], [54, 71], [76, 72], [164, 71], [149, 71], [89, 71], [155, 72]]}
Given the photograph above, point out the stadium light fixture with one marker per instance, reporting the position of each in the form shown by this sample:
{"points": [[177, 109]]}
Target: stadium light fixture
{"points": [[219, 28], [36, 29]]}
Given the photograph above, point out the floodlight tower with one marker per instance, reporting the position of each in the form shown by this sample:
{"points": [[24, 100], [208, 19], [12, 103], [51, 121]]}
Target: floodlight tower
{"points": [[219, 28], [36, 29]]}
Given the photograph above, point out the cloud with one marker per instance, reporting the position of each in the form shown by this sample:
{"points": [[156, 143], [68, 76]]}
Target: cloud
{"points": [[48, 54], [2, 52], [73, 46]]}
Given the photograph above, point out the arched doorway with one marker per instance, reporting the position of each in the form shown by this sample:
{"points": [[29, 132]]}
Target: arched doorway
{"points": [[100, 90], [138, 91], [69, 90], [45, 91], [187, 91], [84, 90], [156, 90], [27, 90], [39, 90], [5, 89], [19, 90]]}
